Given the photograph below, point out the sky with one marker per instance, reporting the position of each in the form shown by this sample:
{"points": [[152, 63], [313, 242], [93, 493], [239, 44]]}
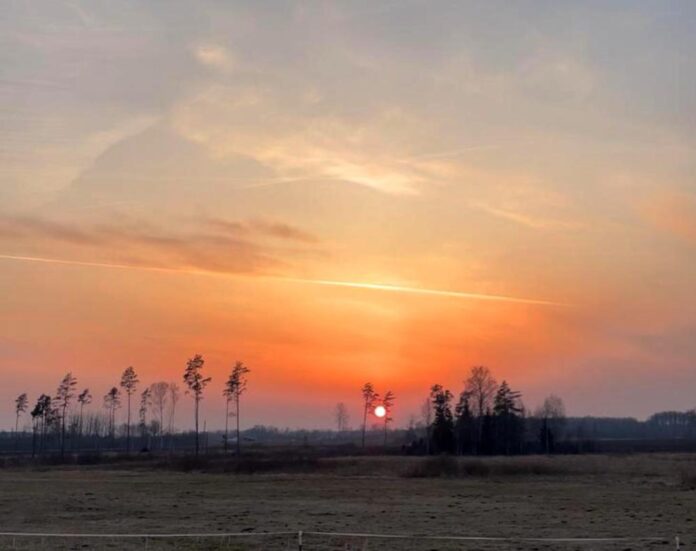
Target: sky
{"points": [[342, 192]]}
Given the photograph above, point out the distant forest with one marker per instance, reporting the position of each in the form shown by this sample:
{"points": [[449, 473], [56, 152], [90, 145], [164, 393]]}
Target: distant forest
{"points": [[486, 418]]}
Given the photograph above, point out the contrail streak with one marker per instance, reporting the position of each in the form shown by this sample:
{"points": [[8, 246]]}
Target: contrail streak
{"points": [[324, 282], [423, 291], [68, 262]]}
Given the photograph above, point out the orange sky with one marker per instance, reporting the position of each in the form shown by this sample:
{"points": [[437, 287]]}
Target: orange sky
{"points": [[188, 182]]}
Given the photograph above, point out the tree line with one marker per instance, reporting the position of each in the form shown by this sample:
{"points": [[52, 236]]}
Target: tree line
{"points": [[52, 414], [487, 418]]}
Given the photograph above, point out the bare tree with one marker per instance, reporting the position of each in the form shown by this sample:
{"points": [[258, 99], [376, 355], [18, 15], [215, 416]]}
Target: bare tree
{"points": [[427, 418], [21, 404], [129, 382], [160, 393], [112, 401], [174, 394], [234, 388], [552, 408], [228, 393], [84, 399], [64, 395], [369, 398], [552, 415], [145, 403], [196, 383], [388, 405], [341, 416], [481, 387]]}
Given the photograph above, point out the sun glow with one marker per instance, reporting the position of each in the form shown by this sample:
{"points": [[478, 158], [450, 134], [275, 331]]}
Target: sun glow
{"points": [[380, 411]]}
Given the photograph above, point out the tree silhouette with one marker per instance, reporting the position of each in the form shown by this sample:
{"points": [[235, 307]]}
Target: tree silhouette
{"points": [[507, 407], [145, 403], [64, 395], [443, 423], [160, 394], [552, 415], [465, 430], [174, 395], [129, 382], [112, 401], [234, 387], [43, 416], [481, 386], [228, 393], [21, 404], [37, 417], [369, 397], [196, 383], [388, 405], [84, 398], [341, 416], [427, 418]]}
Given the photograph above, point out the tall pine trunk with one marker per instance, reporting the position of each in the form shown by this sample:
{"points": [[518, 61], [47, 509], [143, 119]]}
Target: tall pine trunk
{"points": [[128, 425], [227, 422], [79, 427], [16, 442], [239, 442], [196, 422], [62, 433], [364, 426]]}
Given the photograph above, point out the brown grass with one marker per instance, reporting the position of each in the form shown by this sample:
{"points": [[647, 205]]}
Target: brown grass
{"points": [[567, 496]]}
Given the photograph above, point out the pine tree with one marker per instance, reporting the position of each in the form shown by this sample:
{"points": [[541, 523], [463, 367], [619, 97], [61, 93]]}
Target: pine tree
{"points": [[369, 398], [465, 429], [129, 383], [388, 405], [84, 399], [443, 421], [145, 403], [508, 430], [112, 401], [234, 388], [196, 383], [21, 404], [64, 395]]}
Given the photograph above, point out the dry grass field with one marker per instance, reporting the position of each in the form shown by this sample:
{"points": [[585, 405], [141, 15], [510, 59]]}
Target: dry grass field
{"points": [[529, 497]]}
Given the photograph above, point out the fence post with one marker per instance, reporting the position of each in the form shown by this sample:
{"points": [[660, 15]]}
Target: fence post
{"points": [[676, 540], [299, 540]]}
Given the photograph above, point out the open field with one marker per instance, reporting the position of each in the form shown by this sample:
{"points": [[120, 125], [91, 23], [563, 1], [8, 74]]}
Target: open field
{"points": [[572, 496]]}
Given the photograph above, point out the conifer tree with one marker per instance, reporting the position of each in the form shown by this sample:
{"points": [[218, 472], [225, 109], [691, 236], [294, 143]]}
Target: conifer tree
{"points": [[64, 395], [129, 383], [196, 383]]}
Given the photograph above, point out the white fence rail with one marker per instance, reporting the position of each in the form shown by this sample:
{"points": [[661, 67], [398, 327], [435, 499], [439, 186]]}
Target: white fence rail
{"points": [[298, 539]]}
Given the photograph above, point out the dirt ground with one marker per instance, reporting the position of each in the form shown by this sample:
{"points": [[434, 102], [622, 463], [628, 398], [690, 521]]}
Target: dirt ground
{"points": [[613, 497]]}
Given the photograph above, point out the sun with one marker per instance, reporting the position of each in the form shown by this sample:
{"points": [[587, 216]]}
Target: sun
{"points": [[380, 411]]}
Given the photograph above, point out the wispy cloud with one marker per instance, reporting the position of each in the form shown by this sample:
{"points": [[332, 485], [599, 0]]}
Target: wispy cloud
{"points": [[267, 228], [301, 140], [215, 56], [211, 245], [525, 219]]}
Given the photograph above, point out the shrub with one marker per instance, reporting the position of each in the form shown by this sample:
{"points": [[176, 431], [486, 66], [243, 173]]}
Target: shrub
{"points": [[433, 467]]}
